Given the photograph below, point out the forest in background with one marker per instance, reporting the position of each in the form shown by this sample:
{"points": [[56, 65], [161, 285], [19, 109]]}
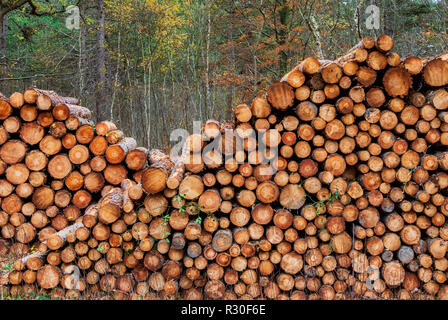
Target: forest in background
{"points": [[155, 65]]}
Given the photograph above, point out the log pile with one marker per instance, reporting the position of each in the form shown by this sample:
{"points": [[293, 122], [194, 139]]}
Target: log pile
{"points": [[330, 186]]}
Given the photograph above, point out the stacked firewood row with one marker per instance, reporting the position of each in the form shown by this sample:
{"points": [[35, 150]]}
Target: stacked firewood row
{"points": [[330, 186], [55, 165]]}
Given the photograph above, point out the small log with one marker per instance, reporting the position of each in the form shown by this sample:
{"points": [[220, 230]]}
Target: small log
{"points": [[116, 153]]}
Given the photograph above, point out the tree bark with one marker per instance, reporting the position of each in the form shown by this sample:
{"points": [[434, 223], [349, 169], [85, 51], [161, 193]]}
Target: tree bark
{"points": [[3, 42], [230, 61], [207, 62], [82, 53], [284, 15], [4, 35], [100, 106]]}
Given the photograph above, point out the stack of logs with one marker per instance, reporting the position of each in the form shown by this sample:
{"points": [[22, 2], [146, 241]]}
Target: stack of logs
{"points": [[331, 186]]}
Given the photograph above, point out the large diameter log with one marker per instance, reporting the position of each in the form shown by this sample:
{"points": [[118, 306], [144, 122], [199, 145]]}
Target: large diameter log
{"points": [[435, 73], [410, 234], [292, 196], [159, 229], [331, 72], [110, 206], [267, 192], [211, 128], [262, 213], [310, 66], [405, 254], [366, 76], [291, 263], [178, 241], [438, 98], [13, 151], [59, 166], [295, 78], [393, 273], [239, 216], [260, 108], [341, 243], [5, 109], [32, 133], [136, 159], [214, 289], [194, 143], [335, 164], [438, 248], [155, 204], [384, 43], [397, 82], [43, 197], [242, 113], [191, 187], [413, 64], [280, 95], [306, 111], [25, 233], [154, 178], [116, 153], [48, 277], [115, 173], [376, 60], [222, 240], [210, 201]]}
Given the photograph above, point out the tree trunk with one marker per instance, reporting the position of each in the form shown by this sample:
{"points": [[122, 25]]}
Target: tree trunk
{"points": [[4, 34], [3, 43], [230, 61], [283, 37], [207, 62], [100, 106], [82, 63]]}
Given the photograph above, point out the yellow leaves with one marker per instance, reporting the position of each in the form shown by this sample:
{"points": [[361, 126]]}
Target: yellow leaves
{"points": [[163, 68], [154, 27]]}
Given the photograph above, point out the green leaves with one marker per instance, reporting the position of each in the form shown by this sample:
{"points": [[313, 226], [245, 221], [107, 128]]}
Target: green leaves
{"points": [[8, 267], [180, 197], [166, 219], [318, 204]]}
